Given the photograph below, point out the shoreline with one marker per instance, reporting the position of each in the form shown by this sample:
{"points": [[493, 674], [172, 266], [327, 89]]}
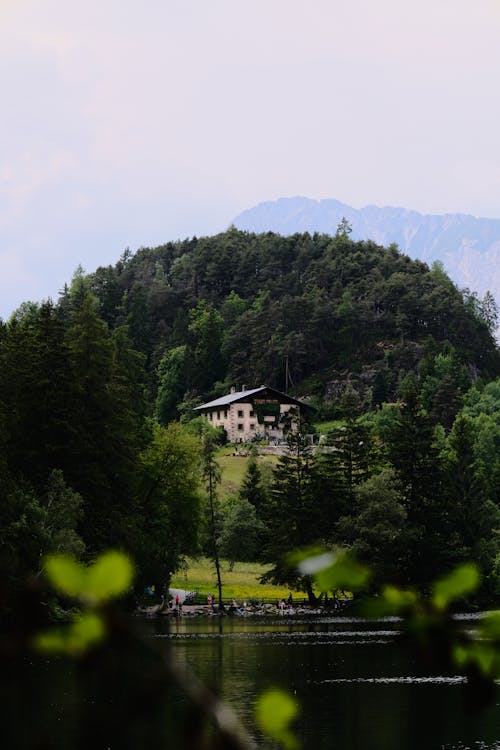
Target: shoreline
{"points": [[266, 610]]}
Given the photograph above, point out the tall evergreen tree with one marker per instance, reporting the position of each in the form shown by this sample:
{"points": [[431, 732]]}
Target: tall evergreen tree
{"points": [[293, 513], [415, 460]]}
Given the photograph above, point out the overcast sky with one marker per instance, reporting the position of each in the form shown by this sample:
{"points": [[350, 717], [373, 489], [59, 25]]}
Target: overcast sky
{"points": [[127, 123]]}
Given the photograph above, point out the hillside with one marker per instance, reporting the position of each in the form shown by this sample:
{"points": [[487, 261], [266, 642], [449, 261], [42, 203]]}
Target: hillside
{"points": [[229, 309], [469, 247]]}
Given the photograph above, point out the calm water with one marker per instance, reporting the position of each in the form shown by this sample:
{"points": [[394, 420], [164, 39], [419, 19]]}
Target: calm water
{"points": [[357, 686]]}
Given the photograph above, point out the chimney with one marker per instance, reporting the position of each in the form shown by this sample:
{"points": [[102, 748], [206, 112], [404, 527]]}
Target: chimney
{"points": [[233, 389]]}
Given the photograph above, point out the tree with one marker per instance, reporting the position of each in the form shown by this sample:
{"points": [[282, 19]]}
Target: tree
{"points": [[292, 514], [252, 489], [206, 332], [212, 476], [172, 383], [108, 428], [474, 519], [63, 509], [242, 533], [353, 444], [376, 529], [410, 444], [344, 228], [168, 517], [32, 525]]}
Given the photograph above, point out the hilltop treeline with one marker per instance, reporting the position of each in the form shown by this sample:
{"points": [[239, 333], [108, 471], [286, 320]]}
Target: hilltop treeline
{"points": [[89, 383], [228, 310]]}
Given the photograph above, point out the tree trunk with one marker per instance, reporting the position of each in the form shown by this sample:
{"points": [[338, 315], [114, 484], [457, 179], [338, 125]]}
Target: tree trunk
{"points": [[311, 596]]}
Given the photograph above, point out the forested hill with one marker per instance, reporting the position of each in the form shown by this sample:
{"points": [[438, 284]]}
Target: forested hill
{"points": [[84, 464], [227, 310]]}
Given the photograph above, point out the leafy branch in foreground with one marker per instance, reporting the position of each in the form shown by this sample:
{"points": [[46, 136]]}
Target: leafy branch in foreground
{"points": [[108, 578]]}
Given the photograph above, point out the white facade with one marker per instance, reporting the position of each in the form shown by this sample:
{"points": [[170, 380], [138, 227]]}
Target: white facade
{"points": [[259, 413]]}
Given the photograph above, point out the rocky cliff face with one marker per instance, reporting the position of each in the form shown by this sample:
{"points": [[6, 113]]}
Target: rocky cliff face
{"points": [[469, 247]]}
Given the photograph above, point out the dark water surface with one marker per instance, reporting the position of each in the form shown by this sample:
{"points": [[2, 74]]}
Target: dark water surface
{"points": [[358, 687]]}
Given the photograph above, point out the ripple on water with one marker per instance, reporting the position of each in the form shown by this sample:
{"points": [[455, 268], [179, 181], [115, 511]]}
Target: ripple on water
{"points": [[339, 636], [435, 680], [477, 745]]}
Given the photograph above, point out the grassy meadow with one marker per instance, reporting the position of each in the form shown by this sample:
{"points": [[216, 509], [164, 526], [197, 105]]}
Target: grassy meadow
{"points": [[234, 468], [242, 583]]}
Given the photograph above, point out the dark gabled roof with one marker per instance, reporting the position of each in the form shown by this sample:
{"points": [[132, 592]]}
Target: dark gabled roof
{"points": [[231, 398]]}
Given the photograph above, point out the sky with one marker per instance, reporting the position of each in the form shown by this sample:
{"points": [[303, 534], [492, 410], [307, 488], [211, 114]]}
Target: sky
{"points": [[129, 124]]}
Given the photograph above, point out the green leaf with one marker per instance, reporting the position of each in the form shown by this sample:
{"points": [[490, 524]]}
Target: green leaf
{"points": [[461, 581], [88, 630], [85, 631], [65, 574], [110, 576], [335, 571], [490, 626], [274, 711], [481, 654], [399, 599]]}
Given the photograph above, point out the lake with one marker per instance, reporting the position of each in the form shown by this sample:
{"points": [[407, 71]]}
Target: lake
{"points": [[357, 686]]}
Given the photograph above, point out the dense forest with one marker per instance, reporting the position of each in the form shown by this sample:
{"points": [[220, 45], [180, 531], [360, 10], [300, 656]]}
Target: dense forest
{"points": [[99, 446]]}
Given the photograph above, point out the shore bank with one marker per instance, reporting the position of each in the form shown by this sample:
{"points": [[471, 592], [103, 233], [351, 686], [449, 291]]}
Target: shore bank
{"points": [[204, 610]]}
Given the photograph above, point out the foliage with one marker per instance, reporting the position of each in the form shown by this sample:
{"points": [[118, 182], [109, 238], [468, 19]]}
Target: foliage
{"points": [[211, 475], [170, 504], [242, 532], [109, 577], [275, 710], [376, 527], [241, 303]]}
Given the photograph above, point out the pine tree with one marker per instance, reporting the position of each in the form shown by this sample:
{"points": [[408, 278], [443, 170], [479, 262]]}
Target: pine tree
{"points": [[293, 513], [415, 460]]}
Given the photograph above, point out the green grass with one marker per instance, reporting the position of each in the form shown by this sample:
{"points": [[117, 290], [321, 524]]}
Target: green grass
{"points": [[324, 427], [242, 583], [234, 469]]}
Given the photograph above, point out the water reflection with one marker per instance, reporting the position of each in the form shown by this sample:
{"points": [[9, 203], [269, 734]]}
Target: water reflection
{"points": [[356, 683]]}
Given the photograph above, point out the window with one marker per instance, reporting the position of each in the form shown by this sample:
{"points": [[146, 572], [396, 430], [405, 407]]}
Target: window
{"points": [[252, 413], [240, 426], [225, 413], [252, 425], [218, 415], [240, 413], [210, 416]]}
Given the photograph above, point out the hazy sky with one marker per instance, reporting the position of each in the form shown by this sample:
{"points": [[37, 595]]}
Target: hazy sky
{"points": [[127, 123]]}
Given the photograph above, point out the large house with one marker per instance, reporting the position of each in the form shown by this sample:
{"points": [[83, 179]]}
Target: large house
{"points": [[261, 412]]}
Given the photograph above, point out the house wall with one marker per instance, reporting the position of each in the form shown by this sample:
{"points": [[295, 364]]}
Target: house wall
{"points": [[241, 423]]}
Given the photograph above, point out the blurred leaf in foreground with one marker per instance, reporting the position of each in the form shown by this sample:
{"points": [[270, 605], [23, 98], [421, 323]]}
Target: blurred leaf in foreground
{"points": [[86, 630], [333, 570], [274, 711], [109, 577], [463, 580]]}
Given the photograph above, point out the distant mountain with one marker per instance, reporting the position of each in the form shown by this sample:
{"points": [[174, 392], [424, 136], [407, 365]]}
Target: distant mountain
{"points": [[469, 247]]}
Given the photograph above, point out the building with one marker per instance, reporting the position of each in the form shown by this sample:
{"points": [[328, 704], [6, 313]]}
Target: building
{"points": [[258, 413]]}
